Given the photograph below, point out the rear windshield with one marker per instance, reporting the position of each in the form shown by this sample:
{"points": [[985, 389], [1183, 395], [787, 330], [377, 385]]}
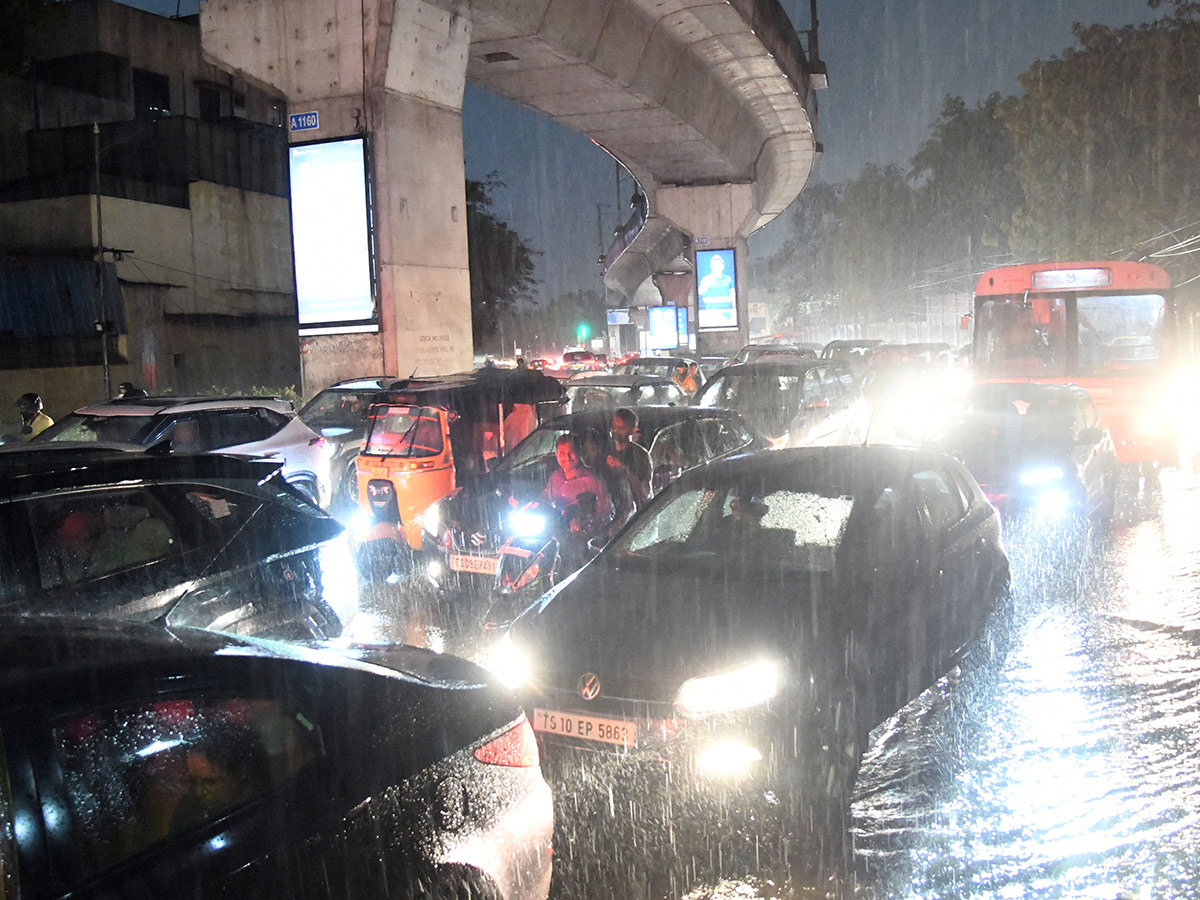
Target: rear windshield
{"points": [[407, 431]]}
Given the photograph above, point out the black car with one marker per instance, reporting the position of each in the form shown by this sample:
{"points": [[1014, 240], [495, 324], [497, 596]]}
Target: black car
{"points": [[143, 762], [339, 414], [204, 540], [1039, 451], [761, 617], [464, 532]]}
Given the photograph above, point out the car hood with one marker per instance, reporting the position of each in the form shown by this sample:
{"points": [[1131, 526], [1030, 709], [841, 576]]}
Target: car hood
{"points": [[645, 629]]}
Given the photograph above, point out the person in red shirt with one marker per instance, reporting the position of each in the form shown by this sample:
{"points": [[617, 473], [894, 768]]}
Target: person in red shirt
{"points": [[573, 478]]}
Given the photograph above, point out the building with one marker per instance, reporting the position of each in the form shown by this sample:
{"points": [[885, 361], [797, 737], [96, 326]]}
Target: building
{"points": [[191, 164]]}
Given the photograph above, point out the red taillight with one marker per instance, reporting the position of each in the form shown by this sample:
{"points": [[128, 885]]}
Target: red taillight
{"points": [[516, 747], [318, 441]]}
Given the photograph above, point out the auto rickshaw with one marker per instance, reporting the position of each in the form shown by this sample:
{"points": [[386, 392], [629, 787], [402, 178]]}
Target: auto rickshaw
{"points": [[427, 436]]}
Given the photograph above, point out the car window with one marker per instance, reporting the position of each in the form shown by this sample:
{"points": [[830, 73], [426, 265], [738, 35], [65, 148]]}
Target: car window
{"points": [[136, 775], [243, 426], [335, 408], [116, 429], [540, 443], [670, 524], [84, 536], [939, 498], [671, 394]]}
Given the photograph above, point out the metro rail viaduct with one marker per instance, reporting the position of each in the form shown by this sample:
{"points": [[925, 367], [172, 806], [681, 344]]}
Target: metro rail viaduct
{"points": [[708, 103]]}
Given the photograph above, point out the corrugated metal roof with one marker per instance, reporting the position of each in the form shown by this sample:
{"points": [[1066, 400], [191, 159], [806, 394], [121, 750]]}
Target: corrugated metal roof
{"points": [[55, 296]]}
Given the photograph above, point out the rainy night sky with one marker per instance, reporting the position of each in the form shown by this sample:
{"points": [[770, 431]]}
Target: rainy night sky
{"points": [[891, 63]]}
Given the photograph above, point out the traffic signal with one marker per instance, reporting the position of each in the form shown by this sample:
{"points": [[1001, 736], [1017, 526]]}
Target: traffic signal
{"points": [[583, 331]]}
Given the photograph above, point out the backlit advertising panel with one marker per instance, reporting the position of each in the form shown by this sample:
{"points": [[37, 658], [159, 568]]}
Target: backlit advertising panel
{"points": [[716, 290], [664, 328], [331, 235]]}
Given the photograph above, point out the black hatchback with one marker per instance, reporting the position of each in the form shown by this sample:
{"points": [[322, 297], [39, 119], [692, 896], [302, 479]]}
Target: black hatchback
{"points": [[142, 763], [762, 616], [209, 541]]}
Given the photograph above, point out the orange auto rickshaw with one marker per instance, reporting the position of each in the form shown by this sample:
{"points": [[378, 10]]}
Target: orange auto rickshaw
{"points": [[427, 436]]}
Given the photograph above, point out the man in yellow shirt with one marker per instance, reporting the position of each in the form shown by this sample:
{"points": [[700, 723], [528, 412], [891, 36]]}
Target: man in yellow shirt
{"points": [[33, 420]]}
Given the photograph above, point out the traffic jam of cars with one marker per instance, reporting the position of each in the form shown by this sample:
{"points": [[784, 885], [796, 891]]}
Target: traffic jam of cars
{"points": [[726, 579]]}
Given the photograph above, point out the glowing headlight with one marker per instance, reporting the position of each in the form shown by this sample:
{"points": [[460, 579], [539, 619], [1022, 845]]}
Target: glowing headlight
{"points": [[727, 758], [361, 523], [1148, 423], [739, 688], [431, 519], [506, 661], [527, 524], [1054, 503], [1041, 475]]}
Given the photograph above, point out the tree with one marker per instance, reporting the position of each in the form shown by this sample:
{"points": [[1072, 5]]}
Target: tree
{"points": [[1107, 142], [968, 187], [502, 264]]}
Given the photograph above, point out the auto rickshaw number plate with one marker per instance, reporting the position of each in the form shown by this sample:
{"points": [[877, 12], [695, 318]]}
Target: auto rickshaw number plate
{"points": [[480, 565]]}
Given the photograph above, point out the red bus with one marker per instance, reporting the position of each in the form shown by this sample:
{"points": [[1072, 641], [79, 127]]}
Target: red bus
{"points": [[1110, 327]]}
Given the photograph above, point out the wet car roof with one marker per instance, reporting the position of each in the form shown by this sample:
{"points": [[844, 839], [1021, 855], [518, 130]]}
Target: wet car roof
{"points": [[46, 467]]}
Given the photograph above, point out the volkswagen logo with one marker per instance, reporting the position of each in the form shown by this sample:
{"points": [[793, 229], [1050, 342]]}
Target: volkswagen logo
{"points": [[589, 686]]}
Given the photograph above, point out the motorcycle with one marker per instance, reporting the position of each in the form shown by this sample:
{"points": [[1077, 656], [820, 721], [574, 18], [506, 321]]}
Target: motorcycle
{"points": [[544, 544]]}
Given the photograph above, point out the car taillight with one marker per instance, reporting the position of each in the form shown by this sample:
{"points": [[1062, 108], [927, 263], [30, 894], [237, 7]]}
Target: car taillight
{"points": [[318, 441], [517, 747]]}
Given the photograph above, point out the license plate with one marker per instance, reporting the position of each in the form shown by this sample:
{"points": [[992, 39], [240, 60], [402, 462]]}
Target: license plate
{"points": [[481, 565], [589, 728]]}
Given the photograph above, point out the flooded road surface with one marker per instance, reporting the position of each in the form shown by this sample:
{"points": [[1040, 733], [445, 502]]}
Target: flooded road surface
{"points": [[1075, 770]]}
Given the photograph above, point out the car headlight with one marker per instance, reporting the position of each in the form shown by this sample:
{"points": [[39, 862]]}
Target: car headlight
{"points": [[527, 524], [747, 685], [431, 519], [1041, 475], [506, 661]]}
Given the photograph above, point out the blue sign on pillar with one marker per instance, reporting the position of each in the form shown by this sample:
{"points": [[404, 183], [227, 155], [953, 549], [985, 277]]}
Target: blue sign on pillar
{"points": [[305, 121]]}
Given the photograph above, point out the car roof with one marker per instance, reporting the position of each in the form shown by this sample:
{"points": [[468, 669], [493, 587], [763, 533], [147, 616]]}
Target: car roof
{"points": [[606, 379], [45, 467], [784, 365], [152, 406], [650, 418], [466, 390], [869, 464]]}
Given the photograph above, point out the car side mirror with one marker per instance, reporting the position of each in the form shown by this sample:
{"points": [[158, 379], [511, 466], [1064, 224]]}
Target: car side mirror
{"points": [[1090, 436]]}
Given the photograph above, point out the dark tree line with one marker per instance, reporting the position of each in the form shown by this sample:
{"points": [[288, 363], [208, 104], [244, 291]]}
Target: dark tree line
{"points": [[1097, 157]]}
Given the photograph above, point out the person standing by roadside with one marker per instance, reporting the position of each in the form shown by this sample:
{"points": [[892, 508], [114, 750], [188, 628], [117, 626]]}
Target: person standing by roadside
{"points": [[33, 420]]}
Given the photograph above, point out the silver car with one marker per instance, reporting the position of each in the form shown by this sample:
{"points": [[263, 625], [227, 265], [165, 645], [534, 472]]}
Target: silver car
{"points": [[242, 426]]}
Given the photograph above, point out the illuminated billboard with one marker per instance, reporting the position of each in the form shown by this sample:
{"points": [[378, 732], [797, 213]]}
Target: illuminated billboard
{"points": [[331, 234], [664, 328], [716, 290]]}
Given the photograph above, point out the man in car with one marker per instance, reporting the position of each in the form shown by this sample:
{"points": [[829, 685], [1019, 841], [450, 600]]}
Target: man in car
{"points": [[629, 456], [571, 479]]}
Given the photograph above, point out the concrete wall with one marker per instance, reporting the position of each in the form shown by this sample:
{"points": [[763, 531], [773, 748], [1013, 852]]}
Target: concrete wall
{"points": [[326, 359]]}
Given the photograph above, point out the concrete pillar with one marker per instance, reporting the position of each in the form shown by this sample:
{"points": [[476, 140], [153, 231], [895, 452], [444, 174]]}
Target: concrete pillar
{"points": [[403, 87], [717, 217]]}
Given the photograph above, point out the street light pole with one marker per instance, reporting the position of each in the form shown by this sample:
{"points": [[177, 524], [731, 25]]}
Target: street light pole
{"points": [[102, 324]]}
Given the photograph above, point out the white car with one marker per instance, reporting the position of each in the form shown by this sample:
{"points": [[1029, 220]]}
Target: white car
{"points": [[241, 426]]}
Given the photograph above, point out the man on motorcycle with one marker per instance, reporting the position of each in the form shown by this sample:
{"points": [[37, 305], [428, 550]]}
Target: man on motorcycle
{"points": [[571, 479], [597, 455]]}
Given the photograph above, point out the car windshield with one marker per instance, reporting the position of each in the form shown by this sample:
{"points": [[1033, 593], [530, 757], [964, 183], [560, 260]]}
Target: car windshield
{"points": [[767, 399], [117, 429], [336, 409], [537, 445], [768, 528]]}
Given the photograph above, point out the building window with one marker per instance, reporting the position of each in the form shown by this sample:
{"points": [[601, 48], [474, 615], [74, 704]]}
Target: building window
{"points": [[209, 97], [151, 94]]}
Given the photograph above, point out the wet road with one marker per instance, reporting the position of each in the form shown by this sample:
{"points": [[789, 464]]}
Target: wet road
{"points": [[1070, 770], [1075, 771]]}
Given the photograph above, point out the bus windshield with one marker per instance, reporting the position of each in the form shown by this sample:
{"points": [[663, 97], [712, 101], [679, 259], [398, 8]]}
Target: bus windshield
{"points": [[1069, 335]]}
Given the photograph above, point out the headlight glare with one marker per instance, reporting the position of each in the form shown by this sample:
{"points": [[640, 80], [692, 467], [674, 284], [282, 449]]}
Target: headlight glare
{"points": [[1041, 475], [431, 519], [527, 524], [1148, 423], [506, 661], [745, 686]]}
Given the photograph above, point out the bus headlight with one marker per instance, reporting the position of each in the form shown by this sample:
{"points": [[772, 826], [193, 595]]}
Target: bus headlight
{"points": [[1148, 424], [740, 688]]}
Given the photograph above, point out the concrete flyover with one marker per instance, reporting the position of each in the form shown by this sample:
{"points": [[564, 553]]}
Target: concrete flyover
{"points": [[707, 102]]}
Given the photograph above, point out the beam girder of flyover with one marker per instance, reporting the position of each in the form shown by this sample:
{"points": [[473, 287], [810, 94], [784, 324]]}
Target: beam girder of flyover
{"points": [[706, 102]]}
